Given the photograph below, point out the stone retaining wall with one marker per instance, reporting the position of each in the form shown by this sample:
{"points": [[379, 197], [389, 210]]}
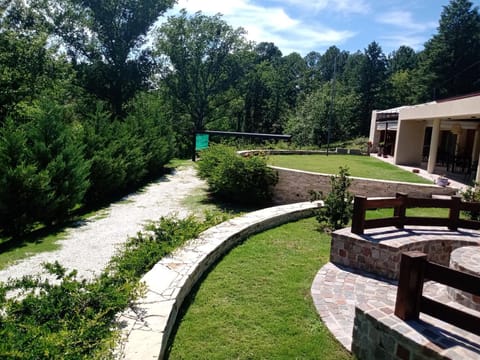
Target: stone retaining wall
{"points": [[380, 250], [295, 185], [147, 325]]}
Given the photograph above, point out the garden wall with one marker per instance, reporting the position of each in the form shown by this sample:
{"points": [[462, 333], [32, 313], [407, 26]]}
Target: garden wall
{"points": [[294, 186]]}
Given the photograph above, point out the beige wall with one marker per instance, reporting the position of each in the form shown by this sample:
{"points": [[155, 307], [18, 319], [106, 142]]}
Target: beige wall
{"points": [[453, 109], [409, 143]]}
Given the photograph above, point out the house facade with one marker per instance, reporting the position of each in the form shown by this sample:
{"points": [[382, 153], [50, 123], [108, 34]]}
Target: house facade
{"points": [[443, 134]]}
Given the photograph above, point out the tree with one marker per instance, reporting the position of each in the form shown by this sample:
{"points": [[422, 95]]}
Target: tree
{"points": [[309, 125], [337, 209], [405, 58], [201, 63], [28, 65], [452, 56], [333, 60], [104, 40], [372, 84], [57, 150]]}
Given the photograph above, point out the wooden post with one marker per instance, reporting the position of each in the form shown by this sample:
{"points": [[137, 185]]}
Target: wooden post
{"points": [[358, 220], [410, 285], [400, 211], [454, 212]]}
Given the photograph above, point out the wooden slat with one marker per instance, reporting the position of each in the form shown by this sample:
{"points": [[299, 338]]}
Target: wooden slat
{"points": [[428, 203], [450, 315], [383, 203], [470, 206], [454, 278], [426, 221], [378, 223], [469, 224]]}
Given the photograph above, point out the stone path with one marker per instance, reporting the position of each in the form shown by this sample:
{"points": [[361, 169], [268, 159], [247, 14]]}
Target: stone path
{"points": [[90, 246]]}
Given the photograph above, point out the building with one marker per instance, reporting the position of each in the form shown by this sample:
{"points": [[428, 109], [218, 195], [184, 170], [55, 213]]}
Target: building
{"points": [[441, 135]]}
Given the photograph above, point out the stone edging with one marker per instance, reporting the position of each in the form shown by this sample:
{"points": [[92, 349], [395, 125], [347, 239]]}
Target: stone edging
{"points": [[147, 325]]}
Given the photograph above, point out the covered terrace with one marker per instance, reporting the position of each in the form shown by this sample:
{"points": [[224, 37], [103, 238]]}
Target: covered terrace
{"points": [[441, 136]]}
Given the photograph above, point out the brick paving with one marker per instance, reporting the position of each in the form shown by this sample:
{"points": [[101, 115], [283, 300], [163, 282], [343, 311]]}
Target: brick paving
{"points": [[337, 290]]}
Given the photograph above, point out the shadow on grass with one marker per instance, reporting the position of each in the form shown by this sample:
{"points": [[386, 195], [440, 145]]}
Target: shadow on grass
{"points": [[35, 237]]}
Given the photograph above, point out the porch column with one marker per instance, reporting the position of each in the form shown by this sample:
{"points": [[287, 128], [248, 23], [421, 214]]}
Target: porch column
{"points": [[476, 144], [477, 177], [432, 156]]}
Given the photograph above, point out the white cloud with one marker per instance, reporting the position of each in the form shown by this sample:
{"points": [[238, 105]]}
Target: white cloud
{"points": [[272, 24], [340, 6], [404, 19], [395, 41], [412, 33]]}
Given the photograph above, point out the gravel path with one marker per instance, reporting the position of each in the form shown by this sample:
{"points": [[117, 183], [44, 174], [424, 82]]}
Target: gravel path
{"points": [[89, 247]]}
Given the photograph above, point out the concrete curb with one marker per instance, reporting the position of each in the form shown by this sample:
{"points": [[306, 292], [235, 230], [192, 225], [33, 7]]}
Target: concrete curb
{"points": [[147, 324]]}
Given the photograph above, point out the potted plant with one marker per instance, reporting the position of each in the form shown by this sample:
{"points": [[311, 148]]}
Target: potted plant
{"points": [[442, 181]]}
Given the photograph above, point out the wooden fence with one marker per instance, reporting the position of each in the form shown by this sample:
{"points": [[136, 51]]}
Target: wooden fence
{"points": [[402, 202], [414, 270]]}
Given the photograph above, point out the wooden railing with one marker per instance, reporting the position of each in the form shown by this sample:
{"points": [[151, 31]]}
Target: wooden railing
{"points": [[414, 269], [402, 202]]}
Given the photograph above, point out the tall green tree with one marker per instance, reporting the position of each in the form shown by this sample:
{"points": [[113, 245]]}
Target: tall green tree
{"points": [[201, 63], [372, 84], [314, 116], [28, 63], [105, 40], [404, 58], [451, 59]]}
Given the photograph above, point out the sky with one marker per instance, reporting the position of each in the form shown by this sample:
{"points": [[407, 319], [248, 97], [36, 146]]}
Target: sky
{"points": [[314, 25]]}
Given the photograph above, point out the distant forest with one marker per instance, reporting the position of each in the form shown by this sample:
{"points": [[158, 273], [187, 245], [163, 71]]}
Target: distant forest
{"points": [[93, 100]]}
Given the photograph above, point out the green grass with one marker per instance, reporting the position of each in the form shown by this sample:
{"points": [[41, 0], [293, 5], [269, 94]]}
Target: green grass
{"points": [[360, 166], [420, 212], [256, 304], [11, 251]]}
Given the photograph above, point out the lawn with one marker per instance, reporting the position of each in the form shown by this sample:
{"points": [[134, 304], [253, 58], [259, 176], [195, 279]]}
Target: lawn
{"points": [[256, 304], [359, 166]]}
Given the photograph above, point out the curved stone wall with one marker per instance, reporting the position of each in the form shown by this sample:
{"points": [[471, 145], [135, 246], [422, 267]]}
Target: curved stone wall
{"points": [[147, 324]]}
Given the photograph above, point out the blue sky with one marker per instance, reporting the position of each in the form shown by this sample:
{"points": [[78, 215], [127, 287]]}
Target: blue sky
{"points": [[306, 25]]}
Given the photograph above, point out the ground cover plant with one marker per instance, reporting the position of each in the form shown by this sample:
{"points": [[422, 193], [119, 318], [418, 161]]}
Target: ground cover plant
{"points": [[74, 319], [359, 166], [255, 304]]}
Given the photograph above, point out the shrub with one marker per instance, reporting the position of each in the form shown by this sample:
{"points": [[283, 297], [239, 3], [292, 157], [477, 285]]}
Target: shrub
{"points": [[22, 185], [44, 172], [245, 180], [74, 319], [472, 194], [338, 204], [57, 151], [149, 121], [125, 153]]}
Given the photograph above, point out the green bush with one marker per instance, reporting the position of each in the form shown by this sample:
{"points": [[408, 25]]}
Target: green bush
{"points": [[22, 185], [57, 151], [472, 194], [338, 204], [44, 172], [245, 180], [75, 319], [148, 120], [124, 153]]}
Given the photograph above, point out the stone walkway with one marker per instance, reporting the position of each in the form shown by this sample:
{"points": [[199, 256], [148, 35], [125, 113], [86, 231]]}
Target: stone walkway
{"points": [[337, 290]]}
